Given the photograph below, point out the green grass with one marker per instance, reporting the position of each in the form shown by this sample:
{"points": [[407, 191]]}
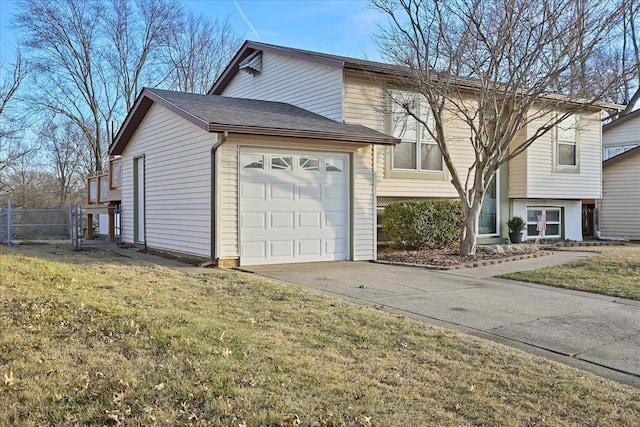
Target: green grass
{"points": [[615, 271], [90, 338]]}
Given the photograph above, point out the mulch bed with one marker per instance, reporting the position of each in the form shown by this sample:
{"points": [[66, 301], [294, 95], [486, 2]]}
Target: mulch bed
{"points": [[448, 257]]}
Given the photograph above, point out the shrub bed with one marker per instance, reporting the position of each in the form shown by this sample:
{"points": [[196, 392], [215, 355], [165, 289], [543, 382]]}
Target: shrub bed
{"points": [[423, 224]]}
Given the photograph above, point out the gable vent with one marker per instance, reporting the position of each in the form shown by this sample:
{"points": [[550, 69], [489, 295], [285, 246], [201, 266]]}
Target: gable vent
{"points": [[252, 64]]}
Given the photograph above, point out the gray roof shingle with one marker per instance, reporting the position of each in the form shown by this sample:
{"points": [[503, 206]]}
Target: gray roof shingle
{"points": [[249, 116]]}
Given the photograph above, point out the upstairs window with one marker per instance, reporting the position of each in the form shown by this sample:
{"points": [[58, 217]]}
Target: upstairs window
{"points": [[566, 136], [417, 150]]}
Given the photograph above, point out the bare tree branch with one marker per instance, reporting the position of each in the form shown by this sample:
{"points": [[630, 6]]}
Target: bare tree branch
{"points": [[65, 40], [138, 32], [495, 65], [199, 52], [11, 122]]}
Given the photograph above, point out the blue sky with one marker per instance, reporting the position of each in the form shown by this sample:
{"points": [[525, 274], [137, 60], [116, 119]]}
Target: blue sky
{"points": [[342, 27]]}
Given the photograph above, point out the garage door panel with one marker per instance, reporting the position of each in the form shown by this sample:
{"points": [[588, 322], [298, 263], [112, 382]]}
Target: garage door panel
{"points": [[253, 220], [334, 246], [253, 191], [282, 191], [310, 247], [333, 218], [309, 192], [256, 249], [282, 248], [281, 219], [295, 208], [335, 192], [309, 219]]}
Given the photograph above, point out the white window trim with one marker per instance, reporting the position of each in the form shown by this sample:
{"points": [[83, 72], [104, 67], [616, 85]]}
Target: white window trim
{"points": [[497, 233], [557, 167], [617, 149], [544, 210], [418, 141]]}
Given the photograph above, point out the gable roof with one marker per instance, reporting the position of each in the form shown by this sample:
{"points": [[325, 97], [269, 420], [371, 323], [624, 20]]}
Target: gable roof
{"points": [[244, 116], [622, 156], [344, 62], [337, 61], [620, 120]]}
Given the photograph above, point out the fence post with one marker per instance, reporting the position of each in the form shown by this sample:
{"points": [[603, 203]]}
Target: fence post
{"points": [[78, 226], [9, 222], [71, 223]]}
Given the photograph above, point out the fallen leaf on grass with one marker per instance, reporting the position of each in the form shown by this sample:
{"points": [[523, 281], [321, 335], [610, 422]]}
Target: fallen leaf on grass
{"points": [[9, 380]]}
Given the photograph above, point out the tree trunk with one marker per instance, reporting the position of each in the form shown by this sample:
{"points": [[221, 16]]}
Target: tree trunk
{"points": [[470, 229]]}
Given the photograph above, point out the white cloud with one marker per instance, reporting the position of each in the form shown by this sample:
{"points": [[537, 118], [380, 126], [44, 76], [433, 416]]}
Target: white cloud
{"points": [[246, 20]]}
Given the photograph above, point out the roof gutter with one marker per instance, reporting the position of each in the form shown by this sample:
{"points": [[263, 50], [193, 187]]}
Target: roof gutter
{"points": [[214, 200], [254, 130]]}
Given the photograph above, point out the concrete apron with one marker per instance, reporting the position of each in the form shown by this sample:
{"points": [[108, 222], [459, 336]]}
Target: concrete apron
{"points": [[596, 333]]}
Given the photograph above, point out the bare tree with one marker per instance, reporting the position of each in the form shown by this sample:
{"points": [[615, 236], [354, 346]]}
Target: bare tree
{"points": [[199, 52], [62, 142], [28, 185], [492, 64], [138, 32], [11, 122], [631, 51], [65, 43]]}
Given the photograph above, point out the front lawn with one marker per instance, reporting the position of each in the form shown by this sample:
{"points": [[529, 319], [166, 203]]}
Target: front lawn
{"points": [[615, 271], [91, 338]]}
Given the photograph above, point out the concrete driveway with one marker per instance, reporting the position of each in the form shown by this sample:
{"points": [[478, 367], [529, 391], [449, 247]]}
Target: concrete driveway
{"points": [[592, 332]]}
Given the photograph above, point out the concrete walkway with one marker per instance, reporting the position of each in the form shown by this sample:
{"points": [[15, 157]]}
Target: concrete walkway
{"points": [[596, 333]]}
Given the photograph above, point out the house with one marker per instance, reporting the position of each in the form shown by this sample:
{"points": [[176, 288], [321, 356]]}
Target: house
{"points": [[621, 178], [293, 155], [621, 135], [541, 185], [246, 181]]}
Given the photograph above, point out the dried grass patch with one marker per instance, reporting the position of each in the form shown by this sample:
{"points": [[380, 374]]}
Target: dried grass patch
{"points": [[615, 271], [89, 338]]}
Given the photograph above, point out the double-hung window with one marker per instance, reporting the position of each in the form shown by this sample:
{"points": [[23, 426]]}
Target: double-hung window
{"points": [[566, 140], [417, 150]]}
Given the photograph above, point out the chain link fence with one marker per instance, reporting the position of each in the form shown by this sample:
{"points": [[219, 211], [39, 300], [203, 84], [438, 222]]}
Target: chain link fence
{"points": [[80, 225], [23, 226], [95, 225]]}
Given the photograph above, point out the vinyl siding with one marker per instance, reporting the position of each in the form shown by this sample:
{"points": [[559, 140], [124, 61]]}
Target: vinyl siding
{"points": [[363, 104], [621, 199], [585, 183], [623, 134], [177, 183], [314, 87], [518, 172], [363, 219], [364, 204]]}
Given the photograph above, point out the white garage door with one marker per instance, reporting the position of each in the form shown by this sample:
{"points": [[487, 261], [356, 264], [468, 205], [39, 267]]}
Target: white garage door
{"points": [[293, 206]]}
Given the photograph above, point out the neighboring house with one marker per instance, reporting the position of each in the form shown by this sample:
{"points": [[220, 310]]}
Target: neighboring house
{"points": [[244, 181], [545, 185], [621, 135], [621, 178]]}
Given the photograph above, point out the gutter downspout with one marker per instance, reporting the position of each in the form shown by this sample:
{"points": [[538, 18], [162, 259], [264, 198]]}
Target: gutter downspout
{"points": [[214, 202]]}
